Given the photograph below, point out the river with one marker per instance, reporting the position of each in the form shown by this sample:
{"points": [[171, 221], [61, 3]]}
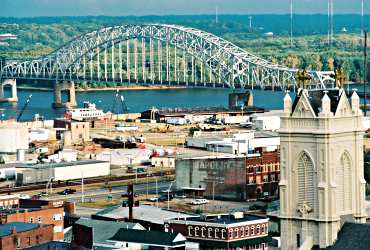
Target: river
{"points": [[136, 100]]}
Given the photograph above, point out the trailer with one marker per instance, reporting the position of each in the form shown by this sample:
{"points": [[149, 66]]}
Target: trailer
{"points": [[235, 119]]}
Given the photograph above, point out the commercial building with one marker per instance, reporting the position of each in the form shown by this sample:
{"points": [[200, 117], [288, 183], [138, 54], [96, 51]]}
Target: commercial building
{"points": [[20, 235], [227, 231], [37, 211], [263, 175], [40, 173], [221, 176]]}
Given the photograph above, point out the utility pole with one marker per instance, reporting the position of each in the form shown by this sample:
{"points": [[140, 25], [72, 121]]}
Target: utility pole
{"points": [[291, 23], [365, 73]]}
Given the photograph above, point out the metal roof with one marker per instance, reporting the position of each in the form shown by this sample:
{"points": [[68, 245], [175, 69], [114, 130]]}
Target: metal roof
{"points": [[6, 229]]}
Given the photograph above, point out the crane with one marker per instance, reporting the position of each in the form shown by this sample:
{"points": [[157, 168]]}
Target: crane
{"points": [[24, 107]]}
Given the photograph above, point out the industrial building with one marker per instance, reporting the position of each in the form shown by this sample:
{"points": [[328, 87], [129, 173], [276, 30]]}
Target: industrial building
{"points": [[64, 171], [227, 231], [125, 157], [221, 176], [197, 114], [72, 131]]}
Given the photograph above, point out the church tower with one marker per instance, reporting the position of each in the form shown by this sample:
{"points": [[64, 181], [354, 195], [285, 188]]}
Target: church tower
{"points": [[322, 176]]}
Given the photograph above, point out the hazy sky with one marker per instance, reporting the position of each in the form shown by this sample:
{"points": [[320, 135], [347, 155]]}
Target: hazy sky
{"points": [[22, 8]]}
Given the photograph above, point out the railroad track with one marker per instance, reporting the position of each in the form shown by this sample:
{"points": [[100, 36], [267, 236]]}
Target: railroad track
{"points": [[95, 180]]}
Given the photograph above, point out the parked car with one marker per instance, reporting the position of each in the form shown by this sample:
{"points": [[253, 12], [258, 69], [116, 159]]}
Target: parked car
{"points": [[153, 199], [199, 201], [43, 194], [67, 191], [24, 196]]}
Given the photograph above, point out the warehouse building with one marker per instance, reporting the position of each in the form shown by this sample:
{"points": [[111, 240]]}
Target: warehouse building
{"points": [[14, 137], [40, 173], [221, 176]]}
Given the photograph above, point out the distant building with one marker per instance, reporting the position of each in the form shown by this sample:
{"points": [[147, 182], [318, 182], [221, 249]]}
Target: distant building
{"points": [[37, 211], [20, 235], [72, 131], [228, 231], [322, 182]]}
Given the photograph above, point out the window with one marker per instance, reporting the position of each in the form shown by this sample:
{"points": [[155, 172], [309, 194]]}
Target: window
{"points": [[252, 230], [258, 229], [230, 233], [57, 217], [305, 180], [263, 229], [242, 232], [246, 231], [39, 219], [31, 219], [236, 233]]}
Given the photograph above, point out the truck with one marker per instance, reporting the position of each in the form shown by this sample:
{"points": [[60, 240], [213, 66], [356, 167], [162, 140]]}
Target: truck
{"points": [[235, 119], [267, 123]]}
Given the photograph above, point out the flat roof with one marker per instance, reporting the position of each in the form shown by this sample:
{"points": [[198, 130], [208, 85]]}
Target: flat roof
{"points": [[225, 218], [61, 164], [143, 213], [6, 229]]}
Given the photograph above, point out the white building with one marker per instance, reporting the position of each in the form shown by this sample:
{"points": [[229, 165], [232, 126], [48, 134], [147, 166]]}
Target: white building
{"points": [[164, 161], [322, 176], [124, 157], [13, 136]]}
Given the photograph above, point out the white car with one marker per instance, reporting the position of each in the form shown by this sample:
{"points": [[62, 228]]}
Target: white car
{"points": [[199, 201]]}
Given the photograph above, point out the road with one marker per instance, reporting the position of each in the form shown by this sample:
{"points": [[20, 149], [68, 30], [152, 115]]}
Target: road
{"points": [[141, 189]]}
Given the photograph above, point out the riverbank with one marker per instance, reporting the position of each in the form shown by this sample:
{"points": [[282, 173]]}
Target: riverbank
{"points": [[156, 87]]}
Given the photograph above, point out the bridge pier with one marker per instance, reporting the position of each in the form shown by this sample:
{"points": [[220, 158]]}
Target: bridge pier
{"points": [[68, 86], [13, 84]]}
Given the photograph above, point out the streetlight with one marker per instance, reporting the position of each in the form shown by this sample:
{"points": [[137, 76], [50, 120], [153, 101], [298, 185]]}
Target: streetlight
{"points": [[168, 195]]}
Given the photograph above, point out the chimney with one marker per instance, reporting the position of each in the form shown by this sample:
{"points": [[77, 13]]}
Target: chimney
{"points": [[130, 192]]}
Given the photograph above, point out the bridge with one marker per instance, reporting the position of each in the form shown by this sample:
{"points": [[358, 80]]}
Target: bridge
{"points": [[154, 54]]}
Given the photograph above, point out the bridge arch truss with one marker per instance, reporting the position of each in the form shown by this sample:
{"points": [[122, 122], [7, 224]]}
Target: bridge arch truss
{"points": [[92, 57]]}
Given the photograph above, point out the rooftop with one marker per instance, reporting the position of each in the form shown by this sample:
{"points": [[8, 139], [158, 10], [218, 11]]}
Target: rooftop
{"points": [[104, 230], [6, 229], [151, 238], [225, 218], [353, 236], [200, 110], [62, 164], [142, 213]]}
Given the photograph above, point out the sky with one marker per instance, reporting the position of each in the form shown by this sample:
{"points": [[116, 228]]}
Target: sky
{"points": [[31, 8]]}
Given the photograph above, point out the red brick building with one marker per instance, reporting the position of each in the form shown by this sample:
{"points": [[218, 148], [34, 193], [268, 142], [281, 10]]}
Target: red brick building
{"points": [[229, 231], [263, 175], [19, 235], [37, 211]]}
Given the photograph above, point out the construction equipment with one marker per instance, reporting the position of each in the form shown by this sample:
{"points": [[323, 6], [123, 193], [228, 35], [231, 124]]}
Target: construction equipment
{"points": [[24, 107], [119, 100]]}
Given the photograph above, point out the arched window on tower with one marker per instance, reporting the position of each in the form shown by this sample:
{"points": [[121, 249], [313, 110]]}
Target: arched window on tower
{"points": [[343, 181], [305, 180]]}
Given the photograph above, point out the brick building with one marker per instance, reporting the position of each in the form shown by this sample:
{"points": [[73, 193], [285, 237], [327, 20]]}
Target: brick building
{"points": [[19, 235], [37, 211], [229, 231], [263, 175]]}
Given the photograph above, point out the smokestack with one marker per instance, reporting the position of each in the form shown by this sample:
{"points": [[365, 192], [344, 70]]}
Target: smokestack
{"points": [[130, 192]]}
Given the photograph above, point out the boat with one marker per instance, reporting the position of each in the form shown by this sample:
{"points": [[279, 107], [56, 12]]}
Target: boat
{"points": [[88, 112]]}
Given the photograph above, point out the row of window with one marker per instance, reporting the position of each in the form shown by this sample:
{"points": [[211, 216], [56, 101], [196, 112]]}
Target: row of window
{"points": [[56, 217], [263, 168], [265, 179], [247, 231]]}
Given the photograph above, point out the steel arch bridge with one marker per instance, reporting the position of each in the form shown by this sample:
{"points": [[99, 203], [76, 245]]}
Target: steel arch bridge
{"points": [[226, 64]]}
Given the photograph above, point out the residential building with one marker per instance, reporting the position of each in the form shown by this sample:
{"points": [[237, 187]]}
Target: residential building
{"points": [[226, 231], [322, 182], [19, 235]]}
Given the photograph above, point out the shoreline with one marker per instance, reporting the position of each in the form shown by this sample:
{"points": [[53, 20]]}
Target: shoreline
{"points": [[105, 88]]}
